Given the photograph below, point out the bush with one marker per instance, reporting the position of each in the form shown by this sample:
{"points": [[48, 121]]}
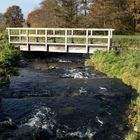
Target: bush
{"points": [[8, 58]]}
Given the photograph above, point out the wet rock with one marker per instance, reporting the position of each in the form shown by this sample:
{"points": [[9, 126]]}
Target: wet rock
{"points": [[75, 94], [2, 117], [41, 134], [0, 104], [32, 133], [67, 110], [7, 124], [22, 63], [52, 67], [136, 129]]}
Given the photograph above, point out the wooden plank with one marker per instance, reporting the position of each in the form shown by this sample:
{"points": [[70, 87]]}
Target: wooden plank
{"points": [[46, 40], [76, 29], [87, 41], [66, 40], [109, 41]]}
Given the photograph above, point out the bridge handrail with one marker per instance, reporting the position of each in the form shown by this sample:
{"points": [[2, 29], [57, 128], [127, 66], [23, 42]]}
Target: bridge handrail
{"points": [[94, 29]]}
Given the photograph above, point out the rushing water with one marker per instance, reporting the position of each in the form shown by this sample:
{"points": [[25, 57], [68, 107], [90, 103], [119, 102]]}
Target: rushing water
{"points": [[57, 97]]}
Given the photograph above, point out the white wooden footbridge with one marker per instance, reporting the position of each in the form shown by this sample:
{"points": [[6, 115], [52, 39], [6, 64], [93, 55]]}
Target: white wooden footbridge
{"points": [[66, 40]]}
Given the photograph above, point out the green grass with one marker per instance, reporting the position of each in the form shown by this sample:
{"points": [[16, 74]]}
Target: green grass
{"points": [[125, 66], [127, 41]]}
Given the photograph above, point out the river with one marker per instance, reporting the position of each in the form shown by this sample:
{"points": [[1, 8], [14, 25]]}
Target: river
{"points": [[57, 97]]}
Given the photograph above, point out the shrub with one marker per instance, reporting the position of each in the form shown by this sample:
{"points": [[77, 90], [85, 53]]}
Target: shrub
{"points": [[8, 58]]}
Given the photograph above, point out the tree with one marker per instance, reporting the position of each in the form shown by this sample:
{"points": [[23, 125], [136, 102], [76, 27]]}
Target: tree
{"points": [[33, 19], [111, 14], [74, 12], [2, 22], [49, 9], [68, 13], [60, 13], [14, 16], [134, 8], [55, 13], [45, 15]]}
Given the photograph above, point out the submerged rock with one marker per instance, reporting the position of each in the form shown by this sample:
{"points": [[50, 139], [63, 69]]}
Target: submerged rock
{"points": [[0, 103]]}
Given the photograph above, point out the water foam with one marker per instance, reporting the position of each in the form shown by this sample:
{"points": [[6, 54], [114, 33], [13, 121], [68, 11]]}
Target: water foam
{"points": [[82, 90], [64, 61], [76, 74], [88, 134], [43, 118]]}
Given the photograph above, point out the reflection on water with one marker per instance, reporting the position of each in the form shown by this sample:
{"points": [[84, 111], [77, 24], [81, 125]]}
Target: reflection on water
{"points": [[58, 98]]}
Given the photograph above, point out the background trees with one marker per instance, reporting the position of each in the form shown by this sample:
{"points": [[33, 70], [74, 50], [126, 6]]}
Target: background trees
{"points": [[111, 14], [68, 13], [122, 15], [134, 9], [45, 15], [14, 16], [87, 13], [33, 19], [2, 22]]}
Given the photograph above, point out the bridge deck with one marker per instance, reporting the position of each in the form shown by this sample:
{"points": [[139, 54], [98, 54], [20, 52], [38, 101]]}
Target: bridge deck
{"points": [[71, 40]]}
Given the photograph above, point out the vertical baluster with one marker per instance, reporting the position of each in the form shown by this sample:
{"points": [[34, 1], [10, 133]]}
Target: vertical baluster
{"points": [[9, 35], [109, 41], [66, 40], [27, 39], [87, 50], [46, 40]]}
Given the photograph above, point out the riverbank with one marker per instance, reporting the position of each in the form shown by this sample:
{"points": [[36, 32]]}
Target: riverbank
{"points": [[8, 59], [124, 66]]}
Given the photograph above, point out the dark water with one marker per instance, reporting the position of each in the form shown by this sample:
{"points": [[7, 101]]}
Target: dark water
{"points": [[56, 97]]}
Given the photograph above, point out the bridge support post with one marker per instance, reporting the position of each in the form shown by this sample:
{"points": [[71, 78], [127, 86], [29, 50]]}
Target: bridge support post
{"points": [[109, 40], [9, 34], [36, 35], [72, 40], [20, 35], [87, 49], [54, 39], [66, 40], [91, 34], [46, 40], [27, 40]]}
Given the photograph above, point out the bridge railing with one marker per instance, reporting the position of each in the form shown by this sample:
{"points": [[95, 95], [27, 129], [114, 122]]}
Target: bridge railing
{"points": [[61, 36]]}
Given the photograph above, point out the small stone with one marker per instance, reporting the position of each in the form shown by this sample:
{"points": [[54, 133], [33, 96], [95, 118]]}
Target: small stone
{"points": [[136, 129], [52, 67]]}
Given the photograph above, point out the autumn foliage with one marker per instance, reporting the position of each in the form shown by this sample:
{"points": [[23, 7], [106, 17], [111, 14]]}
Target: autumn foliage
{"points": [[122, 15], [134, 9], [14, 16]]}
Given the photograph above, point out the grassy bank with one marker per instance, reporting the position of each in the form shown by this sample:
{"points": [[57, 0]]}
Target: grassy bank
{"points": [[127, 41], [125, 66], [8, 58]]}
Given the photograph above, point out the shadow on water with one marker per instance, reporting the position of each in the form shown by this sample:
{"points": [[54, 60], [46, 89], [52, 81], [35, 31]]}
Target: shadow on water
{"points": [[56, 97]]}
